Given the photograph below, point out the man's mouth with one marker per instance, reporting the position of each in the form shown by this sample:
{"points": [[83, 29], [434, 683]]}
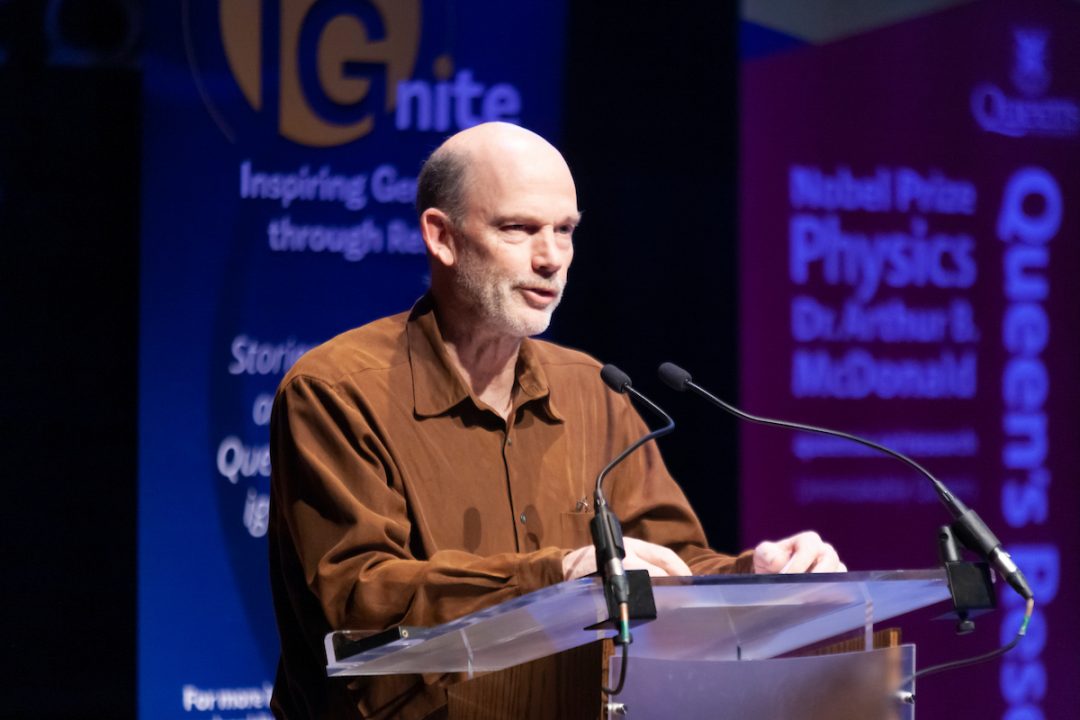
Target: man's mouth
{"points": [[539, 297]]}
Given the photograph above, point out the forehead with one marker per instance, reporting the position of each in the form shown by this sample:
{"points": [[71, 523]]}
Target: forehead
{"points": [[532, 181]]}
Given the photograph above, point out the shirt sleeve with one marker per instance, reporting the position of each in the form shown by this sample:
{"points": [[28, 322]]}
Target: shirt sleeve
{"points": [[339, 498]]}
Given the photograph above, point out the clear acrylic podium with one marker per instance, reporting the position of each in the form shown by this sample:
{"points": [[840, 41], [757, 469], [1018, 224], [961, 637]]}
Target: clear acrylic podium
{"points": [[712, 651]]}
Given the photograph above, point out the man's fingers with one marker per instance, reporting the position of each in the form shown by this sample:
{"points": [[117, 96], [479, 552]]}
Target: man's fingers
{"points": [[579, 563], [769, 557], [635, 562], [812, 554], [828, 561], [656, 555], [806, 547], [667, 559], [640, 555], [801, 560], [805, 552]]}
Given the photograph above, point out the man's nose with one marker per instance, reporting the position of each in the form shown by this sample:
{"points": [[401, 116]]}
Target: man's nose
{"points": [[549, 254]]}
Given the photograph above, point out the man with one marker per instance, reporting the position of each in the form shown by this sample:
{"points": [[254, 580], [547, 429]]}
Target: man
{"points": [[439, 461]]}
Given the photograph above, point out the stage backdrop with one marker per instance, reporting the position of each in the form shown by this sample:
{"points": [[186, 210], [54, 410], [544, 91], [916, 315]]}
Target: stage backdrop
{"points": [[910, 207], [282, 142]]}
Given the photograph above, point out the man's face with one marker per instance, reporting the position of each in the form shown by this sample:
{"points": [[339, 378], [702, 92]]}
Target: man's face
{"points": [[515, 242]]}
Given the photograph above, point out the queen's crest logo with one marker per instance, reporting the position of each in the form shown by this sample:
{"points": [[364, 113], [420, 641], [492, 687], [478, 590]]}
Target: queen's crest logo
{"points": [[1031, 113], [1030, 73]]}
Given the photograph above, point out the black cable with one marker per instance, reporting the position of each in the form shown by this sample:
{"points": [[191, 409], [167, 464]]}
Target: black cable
{"points": [[669, 426], [742, 414], [955, 664], [970, 529], [622, 674]]}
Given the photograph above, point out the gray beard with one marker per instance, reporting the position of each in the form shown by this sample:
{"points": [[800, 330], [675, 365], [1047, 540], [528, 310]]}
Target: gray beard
{"points": [[490, 297]]}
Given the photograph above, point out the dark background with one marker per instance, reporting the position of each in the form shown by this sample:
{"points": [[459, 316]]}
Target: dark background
{"points": [[650, 132]]}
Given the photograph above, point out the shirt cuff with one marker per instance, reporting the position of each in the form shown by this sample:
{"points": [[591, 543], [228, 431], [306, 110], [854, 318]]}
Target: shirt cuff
{"points": [[540, 569]]}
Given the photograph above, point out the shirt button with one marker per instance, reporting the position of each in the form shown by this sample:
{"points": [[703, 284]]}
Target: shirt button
{"points": [[509, 442], [521, 517]]}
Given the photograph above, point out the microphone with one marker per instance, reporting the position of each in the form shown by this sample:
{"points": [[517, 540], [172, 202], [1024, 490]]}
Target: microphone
{"points": [[606, 530], [619, 381], [969, 528]]}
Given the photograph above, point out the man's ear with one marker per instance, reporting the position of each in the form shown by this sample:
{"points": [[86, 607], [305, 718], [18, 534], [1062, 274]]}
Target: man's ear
{"points": [[438, 232]]}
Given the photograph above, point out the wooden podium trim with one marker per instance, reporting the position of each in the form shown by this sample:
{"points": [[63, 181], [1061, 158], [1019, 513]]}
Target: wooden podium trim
{"points": [[565, 685], [855, 641]]}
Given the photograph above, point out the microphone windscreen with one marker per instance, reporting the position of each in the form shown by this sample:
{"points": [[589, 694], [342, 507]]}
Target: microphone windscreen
{"points": [[673, 376], [615, 378]]}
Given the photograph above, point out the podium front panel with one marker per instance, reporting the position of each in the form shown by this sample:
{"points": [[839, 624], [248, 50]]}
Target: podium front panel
{"points": [[848, 686], [713, 618]]}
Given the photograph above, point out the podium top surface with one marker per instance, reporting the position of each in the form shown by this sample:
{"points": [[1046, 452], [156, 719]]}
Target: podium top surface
{"points": [[709, 617]]}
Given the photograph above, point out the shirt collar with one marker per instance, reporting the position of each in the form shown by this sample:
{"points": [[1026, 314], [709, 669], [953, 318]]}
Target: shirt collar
{"points": [[532, 380], [437, 386]]}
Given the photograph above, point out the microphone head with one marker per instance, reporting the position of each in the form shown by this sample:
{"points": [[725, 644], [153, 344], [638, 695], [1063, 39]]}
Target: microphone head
{"points": [[615, 378], [673, 376]]}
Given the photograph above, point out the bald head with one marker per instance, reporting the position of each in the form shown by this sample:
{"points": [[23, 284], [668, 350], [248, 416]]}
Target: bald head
{"points": [[498, 208], [481, 156]]}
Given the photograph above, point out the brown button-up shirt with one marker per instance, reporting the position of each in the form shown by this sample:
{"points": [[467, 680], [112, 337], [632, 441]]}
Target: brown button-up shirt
{"points": [[399, 497]]}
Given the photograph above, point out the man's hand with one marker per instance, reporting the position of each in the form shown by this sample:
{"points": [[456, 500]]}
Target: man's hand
{"points": [[805, 552], [640, 555]]}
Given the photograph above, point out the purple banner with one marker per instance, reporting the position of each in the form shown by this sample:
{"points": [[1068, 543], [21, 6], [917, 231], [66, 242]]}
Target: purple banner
{"points": [[909, 209]]}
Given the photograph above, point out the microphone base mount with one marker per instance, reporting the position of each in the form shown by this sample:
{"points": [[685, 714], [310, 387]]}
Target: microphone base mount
{"points": [[971, 585], [642, 605]]}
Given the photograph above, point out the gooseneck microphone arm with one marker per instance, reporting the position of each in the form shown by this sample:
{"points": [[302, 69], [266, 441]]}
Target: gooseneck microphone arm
{"points": [[619, 381], [605, 527], [607, 532], [969, 527]]}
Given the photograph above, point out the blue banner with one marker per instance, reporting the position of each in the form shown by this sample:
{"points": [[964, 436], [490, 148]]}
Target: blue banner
{"points": [[281, 145]]}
